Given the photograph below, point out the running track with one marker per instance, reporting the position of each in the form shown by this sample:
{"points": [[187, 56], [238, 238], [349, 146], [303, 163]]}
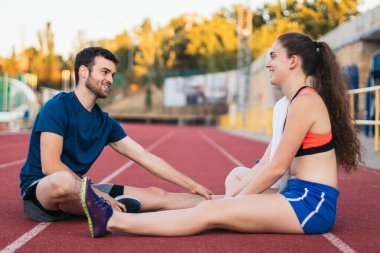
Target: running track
{"points": [[207, 155]]}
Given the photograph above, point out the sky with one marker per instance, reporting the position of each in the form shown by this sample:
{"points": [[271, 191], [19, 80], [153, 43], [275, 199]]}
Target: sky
{"points": [[20, 20]]}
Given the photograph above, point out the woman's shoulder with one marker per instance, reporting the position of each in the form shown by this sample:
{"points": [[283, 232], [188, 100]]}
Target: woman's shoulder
{"points": [[309, 109], [308, 99], [308, 106]]}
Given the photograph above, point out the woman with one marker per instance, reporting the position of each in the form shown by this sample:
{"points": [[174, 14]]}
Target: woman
{"points": [[318, 135]]}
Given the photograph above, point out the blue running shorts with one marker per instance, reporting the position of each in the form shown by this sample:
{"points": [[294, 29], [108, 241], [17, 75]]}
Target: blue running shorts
{"points": [[313, 203]]}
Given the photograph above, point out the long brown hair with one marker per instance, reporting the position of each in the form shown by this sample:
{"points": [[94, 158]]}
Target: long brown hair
{"points": [[319, 61]]}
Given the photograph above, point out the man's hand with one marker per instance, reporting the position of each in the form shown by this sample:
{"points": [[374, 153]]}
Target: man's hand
{"points": [[116, 205], [157, 166], [201, 190]]}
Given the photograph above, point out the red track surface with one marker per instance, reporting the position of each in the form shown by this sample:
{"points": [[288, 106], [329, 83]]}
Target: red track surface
{"points": [[190, 150]]}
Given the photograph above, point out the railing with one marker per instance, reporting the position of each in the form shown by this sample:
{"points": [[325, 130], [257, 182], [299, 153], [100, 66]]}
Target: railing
{"points": [[259, 120], [375, 122]]}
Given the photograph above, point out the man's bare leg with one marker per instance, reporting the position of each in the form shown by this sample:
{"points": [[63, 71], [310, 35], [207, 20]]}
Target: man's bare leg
{"points": [[154, 198], [60, 191]]}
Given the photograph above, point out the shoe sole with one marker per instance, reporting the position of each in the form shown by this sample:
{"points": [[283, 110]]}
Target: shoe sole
{"points": [[84, 205]]}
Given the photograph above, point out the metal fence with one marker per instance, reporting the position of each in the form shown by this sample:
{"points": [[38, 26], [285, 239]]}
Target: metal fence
{"points": [[368, 122]]}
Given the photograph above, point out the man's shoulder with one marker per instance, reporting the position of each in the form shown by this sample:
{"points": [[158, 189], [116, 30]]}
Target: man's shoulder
{"points": [[60, 100], [63, 96]]}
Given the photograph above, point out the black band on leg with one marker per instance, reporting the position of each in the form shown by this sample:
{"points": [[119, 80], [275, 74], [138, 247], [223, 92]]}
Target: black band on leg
{"points": [[116, 190]]}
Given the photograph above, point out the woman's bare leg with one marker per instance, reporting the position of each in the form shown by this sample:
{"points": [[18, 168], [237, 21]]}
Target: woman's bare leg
{"points": [[261, 213]]}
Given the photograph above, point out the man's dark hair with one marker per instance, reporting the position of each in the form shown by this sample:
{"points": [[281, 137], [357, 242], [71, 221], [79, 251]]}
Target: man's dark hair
{"points": [[87, 57]]}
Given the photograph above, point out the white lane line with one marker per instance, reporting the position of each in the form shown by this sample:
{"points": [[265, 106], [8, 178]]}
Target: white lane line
{"points": [[338, 243], [41, 226], [12, 163], [222, 150], [128, 164], [7, 133], [25, 238], [333, 239]]}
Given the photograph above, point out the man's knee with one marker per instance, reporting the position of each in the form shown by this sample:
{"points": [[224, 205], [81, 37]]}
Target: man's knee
{"points": [[157, 192], [59, 184], [153, 198]]}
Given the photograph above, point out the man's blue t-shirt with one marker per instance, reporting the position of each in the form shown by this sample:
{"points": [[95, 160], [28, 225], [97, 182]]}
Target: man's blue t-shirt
{"points": [[84, 133]]}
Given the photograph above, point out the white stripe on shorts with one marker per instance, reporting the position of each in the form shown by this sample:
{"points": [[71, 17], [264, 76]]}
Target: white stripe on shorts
{"points": [[299, 198], [315, 211]]}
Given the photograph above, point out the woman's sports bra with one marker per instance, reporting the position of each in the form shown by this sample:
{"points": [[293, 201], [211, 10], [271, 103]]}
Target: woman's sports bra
{"points": [[313, 143]]}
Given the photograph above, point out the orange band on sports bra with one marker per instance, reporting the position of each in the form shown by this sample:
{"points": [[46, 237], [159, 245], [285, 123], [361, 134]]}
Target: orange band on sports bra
{"points": [[312, 140], [313, 143]]}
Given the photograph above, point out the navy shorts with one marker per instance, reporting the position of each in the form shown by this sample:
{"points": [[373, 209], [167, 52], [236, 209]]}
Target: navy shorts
{"points": [[313, 203]]}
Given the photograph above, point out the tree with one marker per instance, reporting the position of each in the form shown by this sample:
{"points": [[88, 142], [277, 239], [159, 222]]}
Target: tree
{"points": [[149, 53], [188, 44], [11, 65], [174, 44], [215, 42], [316, 16], [27, 59], [48, 64], [263, 37], [321, 16]]}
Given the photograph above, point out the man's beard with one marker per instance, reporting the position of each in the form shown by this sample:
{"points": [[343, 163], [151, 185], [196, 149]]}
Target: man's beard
{"points": [[95, 86]]}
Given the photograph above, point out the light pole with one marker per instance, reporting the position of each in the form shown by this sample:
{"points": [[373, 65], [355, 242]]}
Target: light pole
{"points": [[65, 79], [6, 93], [244, 30]]}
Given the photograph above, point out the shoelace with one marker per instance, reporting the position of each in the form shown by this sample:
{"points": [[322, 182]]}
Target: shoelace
{"points": [[104, 204]]}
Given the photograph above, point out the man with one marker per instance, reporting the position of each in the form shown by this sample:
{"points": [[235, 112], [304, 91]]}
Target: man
{"points": [[68, 135]]}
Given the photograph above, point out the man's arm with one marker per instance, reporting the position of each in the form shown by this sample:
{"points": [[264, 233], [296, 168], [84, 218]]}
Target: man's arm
{"points": [[157, 166], [51, 151]]}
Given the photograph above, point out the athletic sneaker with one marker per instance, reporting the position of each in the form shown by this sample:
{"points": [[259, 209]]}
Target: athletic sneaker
{"points": [[98, 210], [132, 204]]}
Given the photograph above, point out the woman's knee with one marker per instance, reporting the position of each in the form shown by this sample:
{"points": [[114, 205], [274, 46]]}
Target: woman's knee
{"points": [[209, 210], [237, 171], [235, 174]]}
